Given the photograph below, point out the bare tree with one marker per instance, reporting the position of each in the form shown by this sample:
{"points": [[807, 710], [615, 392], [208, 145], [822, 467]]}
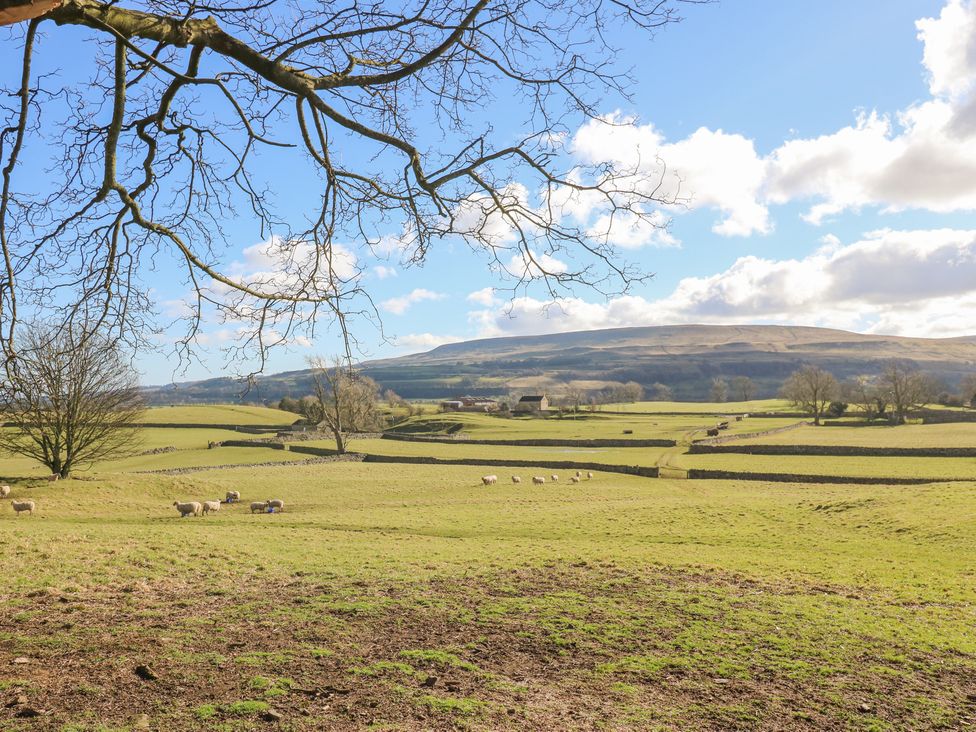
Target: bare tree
{"points": [[967, 390], [906, 388], [344, 400], [811, 389], [661, 393], [382, 102], [71, 398], [865, 393], [743, 388], [719, 390]]}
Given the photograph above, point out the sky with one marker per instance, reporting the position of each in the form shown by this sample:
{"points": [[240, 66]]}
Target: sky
{"points": [[829, 153]]}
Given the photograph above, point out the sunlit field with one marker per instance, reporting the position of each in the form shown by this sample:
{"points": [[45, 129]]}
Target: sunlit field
{"points": [[393, 596]]}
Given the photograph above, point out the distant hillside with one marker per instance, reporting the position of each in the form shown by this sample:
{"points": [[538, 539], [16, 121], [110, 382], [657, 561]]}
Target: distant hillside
{"points": [[685, 357]]}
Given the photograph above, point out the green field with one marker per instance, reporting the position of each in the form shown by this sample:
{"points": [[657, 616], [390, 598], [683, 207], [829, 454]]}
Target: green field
{"points": [[958, 434], [754, 406], [218, 414], [391, 596], [936, 468], [585, 425]]}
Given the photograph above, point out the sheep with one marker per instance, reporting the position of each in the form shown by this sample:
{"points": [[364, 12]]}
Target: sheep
{"points": [[538, 479], [190, 508], [233, 497], [579, 474], [516, 479], [274, 503], [209, 506], [259, 506], [53, 477], [20, 506], [589, 475], [489, 479], [554, 478], [574, 479], [4, 491]]}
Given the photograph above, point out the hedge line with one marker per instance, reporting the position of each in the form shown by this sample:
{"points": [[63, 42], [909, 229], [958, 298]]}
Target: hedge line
{"points": [[833, 450], [541, 442], [698, 474]]}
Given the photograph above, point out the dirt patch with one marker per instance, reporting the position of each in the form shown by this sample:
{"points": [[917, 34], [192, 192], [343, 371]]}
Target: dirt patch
{"points": [[565, 646]]}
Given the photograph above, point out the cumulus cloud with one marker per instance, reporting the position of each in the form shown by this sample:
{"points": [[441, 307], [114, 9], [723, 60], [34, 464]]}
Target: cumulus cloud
{"points": [[400, 305], [484, 296], [383, 272], [414, 342], [922, 157], [902, 282]]}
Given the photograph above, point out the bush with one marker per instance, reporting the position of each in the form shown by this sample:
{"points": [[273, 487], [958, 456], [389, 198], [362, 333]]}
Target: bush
{"points": [[836, 409]]}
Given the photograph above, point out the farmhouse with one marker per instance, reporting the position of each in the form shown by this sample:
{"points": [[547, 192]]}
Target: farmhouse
{"points": [[532, 404], [469, 404]]}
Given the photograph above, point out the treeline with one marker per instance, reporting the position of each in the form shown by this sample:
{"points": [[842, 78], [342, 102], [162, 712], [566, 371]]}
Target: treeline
{"points": [[895, 392]]}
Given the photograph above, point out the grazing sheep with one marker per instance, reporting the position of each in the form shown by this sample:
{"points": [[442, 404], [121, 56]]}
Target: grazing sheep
{"points": [[489, 479], [259, 506], [574, 479], [516, 479], [538, 479], [276, 503], [20, 506], [4, 491], [233, 497], [190, 508], [589, 475], [579, 474], [209, 506], [554, 478]]}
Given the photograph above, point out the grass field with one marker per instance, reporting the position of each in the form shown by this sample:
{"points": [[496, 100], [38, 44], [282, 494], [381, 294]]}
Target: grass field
{"points": [[391, 596], [584, 426], [218, 414], [936, 468], [753, 406], [959, 434]]}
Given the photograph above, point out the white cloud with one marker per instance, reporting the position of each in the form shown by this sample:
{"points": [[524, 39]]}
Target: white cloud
{"points": [[383, 272], [415, 342], [400, 305], [922, 157], [484, 296], [524, 265], [279, 264], [901, 282]]}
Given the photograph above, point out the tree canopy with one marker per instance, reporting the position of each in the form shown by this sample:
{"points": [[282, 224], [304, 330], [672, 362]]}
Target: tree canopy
{"points": [[388, 108]]}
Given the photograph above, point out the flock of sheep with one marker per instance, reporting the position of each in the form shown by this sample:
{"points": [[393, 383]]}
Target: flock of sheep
{"points": [[198, 508], [538, 479]]}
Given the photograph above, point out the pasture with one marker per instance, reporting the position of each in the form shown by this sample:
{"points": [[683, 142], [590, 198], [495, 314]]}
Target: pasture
{"points": [[391, 596]]}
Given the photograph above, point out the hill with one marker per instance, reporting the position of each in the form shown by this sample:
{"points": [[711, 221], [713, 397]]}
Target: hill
{"points": [[685, 357]]}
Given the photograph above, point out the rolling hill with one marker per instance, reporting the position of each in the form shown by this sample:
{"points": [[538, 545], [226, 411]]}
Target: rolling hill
{"points": [[685, 357]]}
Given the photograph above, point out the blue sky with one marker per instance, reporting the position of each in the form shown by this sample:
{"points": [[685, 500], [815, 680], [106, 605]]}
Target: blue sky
{"points": [[826, 149]]}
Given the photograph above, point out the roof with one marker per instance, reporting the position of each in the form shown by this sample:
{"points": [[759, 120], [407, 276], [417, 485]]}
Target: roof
{"points": [[532, 398]]}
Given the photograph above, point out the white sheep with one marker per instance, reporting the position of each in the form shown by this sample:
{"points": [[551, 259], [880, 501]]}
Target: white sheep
{"points": [[489, 479], [190, 508], [574, 479], [276, 503], [259, 506], [233, 496], [20, 506], [516, 479], [538, 479], [579, 474], [209, 506], [554, 478], [4, 491], [589, 475]]}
